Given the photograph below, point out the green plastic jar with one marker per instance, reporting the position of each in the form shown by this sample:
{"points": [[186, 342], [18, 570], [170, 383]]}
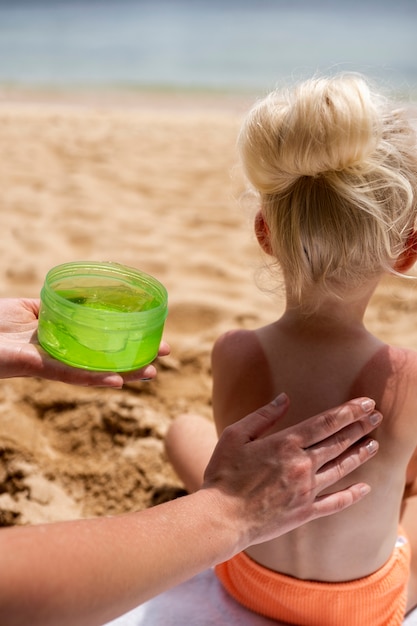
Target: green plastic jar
{"points": [[102, 316]]}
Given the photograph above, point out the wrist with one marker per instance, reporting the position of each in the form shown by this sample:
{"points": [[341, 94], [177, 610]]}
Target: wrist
{"points": [[225, 520]]}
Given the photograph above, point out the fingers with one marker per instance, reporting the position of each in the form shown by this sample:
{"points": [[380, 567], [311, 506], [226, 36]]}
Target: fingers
{"points": [[146, 373], [149, 371], [108, 379], [335, 502], [31, 304], [52, 369], [257, 423], [45, 366], [346, 463], [337, 444], [320, 427], [325, 436], [164, 349]]}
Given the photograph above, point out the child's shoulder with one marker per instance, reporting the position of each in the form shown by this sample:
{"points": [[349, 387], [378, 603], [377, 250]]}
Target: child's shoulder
{"points": [[400, 393], [241, 376], [399, 359], [391, 366], [390, 377], [404, 368], [235, 344], [239, 355]]}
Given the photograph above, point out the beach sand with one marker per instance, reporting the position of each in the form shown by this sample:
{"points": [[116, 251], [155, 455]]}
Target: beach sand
{"points": [[149, 180]]}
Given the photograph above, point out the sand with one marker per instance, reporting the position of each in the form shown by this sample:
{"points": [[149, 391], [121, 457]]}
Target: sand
{"points": [[149, 180]]}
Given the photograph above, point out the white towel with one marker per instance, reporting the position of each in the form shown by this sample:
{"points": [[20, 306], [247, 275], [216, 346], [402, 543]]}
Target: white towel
{"points": [[200, 601]]}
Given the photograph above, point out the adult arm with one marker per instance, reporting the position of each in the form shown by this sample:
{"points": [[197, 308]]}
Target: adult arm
{"points": [[21, 354], [257, 486]]}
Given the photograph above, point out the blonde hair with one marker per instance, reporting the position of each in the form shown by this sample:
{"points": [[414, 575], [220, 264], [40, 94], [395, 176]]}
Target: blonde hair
{"points": [[336, 170]]}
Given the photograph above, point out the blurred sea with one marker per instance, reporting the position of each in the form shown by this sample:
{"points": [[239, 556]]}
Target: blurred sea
{"points": [[227, 45]]}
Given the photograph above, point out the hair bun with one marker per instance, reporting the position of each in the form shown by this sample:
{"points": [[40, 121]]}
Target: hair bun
{"points": [[322, 125]]}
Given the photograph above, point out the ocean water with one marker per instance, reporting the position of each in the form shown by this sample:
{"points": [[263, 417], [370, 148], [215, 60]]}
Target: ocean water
{"points": [[233, 45]]}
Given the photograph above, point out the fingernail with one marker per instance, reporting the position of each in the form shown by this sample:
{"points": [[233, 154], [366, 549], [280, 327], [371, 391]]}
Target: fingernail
{"points": [[375, 418], [368, 404], [146, 379], [372, 446], [364, 489], [279, 400]]}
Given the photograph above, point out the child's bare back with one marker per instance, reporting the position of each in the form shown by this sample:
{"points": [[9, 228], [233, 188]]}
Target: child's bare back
{"points": [[333, 366]]}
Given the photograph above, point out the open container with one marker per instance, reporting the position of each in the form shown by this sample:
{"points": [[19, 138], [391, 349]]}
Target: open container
{"points": [[102, 316]]}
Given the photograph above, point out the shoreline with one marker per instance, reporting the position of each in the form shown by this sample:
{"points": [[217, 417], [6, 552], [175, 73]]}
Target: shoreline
{"points": [[116, 97]]}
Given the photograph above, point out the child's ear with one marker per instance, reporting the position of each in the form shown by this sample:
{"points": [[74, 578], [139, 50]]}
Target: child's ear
{"points": [[262, 233], [408, 256]]}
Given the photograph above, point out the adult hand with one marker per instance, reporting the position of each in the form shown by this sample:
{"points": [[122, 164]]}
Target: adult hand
{"points": [[21, 354], [274, 481]]}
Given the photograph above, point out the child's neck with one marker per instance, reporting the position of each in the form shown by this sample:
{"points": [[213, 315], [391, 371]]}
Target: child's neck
{"points": [[331, 313]]}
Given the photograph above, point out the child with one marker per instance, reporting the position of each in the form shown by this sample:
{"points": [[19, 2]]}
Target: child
{"points": [[335, 169]]}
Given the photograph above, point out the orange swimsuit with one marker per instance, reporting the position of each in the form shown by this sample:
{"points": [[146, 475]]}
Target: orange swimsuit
{"points": [[375, 600]]}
